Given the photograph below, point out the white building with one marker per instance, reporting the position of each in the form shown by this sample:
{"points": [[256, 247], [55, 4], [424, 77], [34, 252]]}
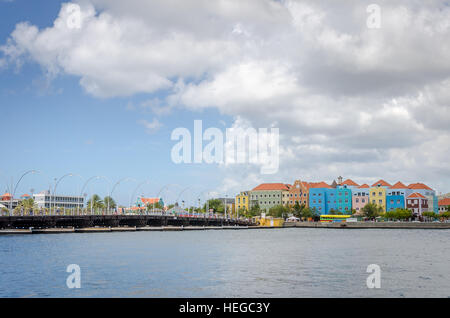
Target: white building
{"points": [[44, 200]]}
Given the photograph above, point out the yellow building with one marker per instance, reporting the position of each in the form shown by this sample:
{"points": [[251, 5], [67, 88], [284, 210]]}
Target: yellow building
{"points": [[377, 193], [270, 221], [241, 203]]}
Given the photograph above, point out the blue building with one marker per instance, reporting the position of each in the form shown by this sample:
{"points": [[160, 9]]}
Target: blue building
{"points": [[395, 201], [327, 200], [317, 200], [343, 199], [395, 196], [318, 197]]}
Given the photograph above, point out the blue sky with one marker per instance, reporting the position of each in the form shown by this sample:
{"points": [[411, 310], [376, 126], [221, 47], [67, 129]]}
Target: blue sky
{"points": [[77, 100], [60, 129]]}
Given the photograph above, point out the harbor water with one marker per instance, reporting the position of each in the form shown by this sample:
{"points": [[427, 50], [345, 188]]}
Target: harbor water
{"points": [[297, 262]]}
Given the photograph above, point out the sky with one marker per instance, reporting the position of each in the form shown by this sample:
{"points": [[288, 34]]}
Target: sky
{"points": [[102, 94]]}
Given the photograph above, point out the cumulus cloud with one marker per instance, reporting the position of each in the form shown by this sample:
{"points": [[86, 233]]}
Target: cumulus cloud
{"points": [[350, 100], [150, 127]]}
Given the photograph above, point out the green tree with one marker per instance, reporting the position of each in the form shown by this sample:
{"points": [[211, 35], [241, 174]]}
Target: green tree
{"points": [[278, 211], [112, 203], [216, 205], [25, 205], [255, 210], [95, 202], [297, 209], [308, 213], [371, 210], [430, 215], [157, 205]]}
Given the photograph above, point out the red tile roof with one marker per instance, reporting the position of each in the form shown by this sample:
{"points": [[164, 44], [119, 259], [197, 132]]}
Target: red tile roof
{"points": [[364, 186], [319, 185], [416, 195], [419, 186], [271, 186], [398, 185], [444, 202], [350, 182], [149, 200], [25, 196], [382, 182]]}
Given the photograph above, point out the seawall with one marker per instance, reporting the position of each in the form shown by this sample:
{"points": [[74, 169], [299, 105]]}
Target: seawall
{"points": [[369, 225]]}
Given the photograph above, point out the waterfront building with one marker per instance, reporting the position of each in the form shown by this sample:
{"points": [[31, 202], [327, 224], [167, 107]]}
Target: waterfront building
{"points": [[44, 199], [318, 197], [342, 199], [268, 195], [395, 196], [5, 201], [242, 201], [350, 184], [360, 197], [144, 202], [377, 193], [429, 193], [417, 203], [443, 205], [298, 192]]}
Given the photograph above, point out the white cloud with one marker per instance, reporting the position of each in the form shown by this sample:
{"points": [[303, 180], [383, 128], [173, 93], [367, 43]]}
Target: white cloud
{"points": [[347, 99], [151, 127]]}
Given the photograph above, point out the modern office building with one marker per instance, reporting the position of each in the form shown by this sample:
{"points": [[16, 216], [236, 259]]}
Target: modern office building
{"points": [[45, 200]]}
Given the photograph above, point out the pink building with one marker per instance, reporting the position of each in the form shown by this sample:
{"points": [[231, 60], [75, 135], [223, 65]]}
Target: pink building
{"points": [[360, 197]]}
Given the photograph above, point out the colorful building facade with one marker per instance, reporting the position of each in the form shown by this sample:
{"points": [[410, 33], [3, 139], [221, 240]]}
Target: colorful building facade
{"points": [[395, 196], [377, 193], [298, 192], [318, 197], [268, 195], [242, 201], [426, 191], [417, 203], [360, 197]]}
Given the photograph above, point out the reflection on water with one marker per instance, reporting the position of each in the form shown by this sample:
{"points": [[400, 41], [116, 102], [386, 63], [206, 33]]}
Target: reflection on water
{"points": [[247, 263]]}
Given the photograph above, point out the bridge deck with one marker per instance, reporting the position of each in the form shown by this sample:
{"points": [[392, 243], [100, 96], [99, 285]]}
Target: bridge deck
{"points": [[113, 221]]}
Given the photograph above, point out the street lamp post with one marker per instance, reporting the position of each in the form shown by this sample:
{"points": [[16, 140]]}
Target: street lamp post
{"points": [[114, 187], [15, 188], [86, 183], [56, 185]]}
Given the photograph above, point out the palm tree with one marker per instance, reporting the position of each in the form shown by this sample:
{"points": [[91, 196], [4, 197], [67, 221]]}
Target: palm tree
{"points": [[95, 203], [108, 201]]}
